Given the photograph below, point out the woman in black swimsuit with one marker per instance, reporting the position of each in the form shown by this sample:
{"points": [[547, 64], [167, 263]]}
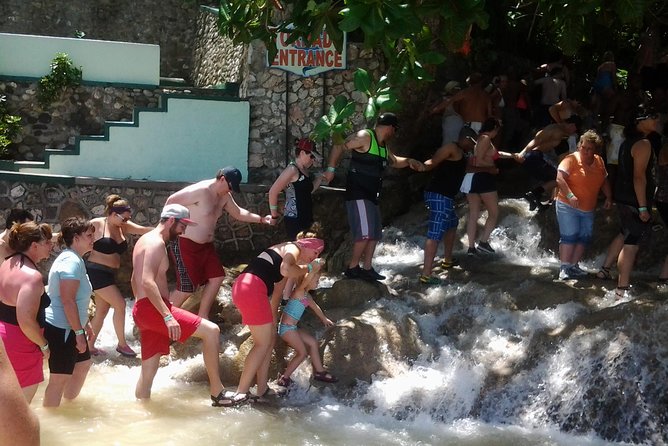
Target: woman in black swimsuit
{"points": [[102, 265]]}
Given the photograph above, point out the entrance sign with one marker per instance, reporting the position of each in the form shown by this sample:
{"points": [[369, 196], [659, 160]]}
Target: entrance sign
{"points": [[300, 57]]}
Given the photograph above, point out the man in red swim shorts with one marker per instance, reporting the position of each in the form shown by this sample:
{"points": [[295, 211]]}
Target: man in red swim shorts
{"points": [[194, 254], [158, 321]]}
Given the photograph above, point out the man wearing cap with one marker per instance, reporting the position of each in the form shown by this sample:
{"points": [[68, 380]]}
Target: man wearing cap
{"points": [[159, 322], [451, 121], [473, 103], [197, 262], [369, 156]]}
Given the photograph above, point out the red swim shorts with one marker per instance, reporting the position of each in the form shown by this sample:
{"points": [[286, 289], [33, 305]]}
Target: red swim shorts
{"points": [[249, 294], [153, 331], [26, 358], [195, 263]]}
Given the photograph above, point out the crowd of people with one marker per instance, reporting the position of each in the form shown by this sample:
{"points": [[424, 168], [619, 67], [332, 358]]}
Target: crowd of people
{"points": [[571, 162]]}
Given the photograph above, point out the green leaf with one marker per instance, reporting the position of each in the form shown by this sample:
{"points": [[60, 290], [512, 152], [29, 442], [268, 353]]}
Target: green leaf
{"points": [[362, 81]]}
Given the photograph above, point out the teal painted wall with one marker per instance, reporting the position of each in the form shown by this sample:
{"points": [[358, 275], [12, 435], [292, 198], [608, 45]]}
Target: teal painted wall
{"points": [[102, 61]]}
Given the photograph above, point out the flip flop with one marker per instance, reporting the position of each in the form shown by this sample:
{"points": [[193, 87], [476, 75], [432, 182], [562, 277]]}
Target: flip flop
{"points": [[325, 377]]}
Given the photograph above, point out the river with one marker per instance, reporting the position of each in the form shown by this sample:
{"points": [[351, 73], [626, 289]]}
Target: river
{"points": [[490, 372]]}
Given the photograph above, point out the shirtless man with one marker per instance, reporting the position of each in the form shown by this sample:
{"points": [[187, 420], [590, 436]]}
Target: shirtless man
{"points": [[15, 216], [196, 260], [473, 104], [533, 157], [159, 322]]}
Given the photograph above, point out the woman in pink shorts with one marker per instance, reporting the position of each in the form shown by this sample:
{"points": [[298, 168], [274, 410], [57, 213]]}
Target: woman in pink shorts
{"points": [[22, 303], [257, 293]]}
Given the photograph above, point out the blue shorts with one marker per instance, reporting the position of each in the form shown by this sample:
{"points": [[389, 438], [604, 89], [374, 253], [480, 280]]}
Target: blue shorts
{"points": [[575, 226], [364, 220], [442, 216], [284, 328]]}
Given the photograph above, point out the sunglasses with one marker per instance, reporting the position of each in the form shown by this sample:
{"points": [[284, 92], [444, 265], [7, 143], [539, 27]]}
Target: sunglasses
{"points": [[125, 219], [312, 156]]}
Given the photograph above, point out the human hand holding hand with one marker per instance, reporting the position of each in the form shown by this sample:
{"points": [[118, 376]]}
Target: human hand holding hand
{"points": [[416, 165]]}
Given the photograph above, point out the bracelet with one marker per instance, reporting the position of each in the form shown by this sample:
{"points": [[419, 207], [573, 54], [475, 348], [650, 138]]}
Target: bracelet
{"points": [[309, 267], [79, 332], [331, 169], [44, 347], [642, 209], [273, 207], [168, 318], [570, 195]]}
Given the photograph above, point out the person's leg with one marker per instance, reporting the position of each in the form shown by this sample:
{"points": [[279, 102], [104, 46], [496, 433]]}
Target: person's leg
{"points": [[313, 351], [491, 201], [54, 389], [209, 333], [369, 250], [74, 385], [294, 340], [209, 293], [568, 229], [262, 375], [627, 257], [430, 248], [262, 343], [358, 251], [549, 187], [101, 309], [149, 367], [612, 254], [112, 296], [29, 392], [472, 221], [448, 243], [585, 233], [663, 275]]}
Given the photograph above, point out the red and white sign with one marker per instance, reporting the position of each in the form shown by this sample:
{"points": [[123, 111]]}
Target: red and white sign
{"points": [[306, 59]]}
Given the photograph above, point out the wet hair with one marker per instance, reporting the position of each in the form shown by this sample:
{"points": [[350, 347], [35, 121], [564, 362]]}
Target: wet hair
{"points": [[490, 124], [22, 235], [18, 216], [592, 137], [71, 227], [114, 203]]}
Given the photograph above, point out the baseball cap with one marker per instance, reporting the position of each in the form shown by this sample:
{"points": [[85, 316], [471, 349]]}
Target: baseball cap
{"points": [[388, 119], [232, 175], [645, 111], [179, 212]]}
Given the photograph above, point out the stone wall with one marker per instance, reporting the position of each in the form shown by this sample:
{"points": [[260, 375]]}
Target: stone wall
{"points": [[215, 60], [168, 23], [285, 106]]}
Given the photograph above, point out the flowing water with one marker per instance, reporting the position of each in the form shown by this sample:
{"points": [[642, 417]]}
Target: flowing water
{"points": [[488, 374]]}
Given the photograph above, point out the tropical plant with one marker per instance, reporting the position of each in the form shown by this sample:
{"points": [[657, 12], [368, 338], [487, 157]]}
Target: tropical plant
{"points": [[10, 126], [63, 74], [335, 124]]}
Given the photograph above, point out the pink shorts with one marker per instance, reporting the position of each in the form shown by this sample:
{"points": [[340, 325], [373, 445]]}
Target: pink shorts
{"points": [[153, 331], [249, 294], [26, 357], [195, 263]]}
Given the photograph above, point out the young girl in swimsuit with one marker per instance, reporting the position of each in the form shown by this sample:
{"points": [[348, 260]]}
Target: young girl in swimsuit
{"points": [[299, 339]]}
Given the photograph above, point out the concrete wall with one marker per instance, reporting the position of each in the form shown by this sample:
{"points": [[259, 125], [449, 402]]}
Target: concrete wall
{"points": [[101, 61]]}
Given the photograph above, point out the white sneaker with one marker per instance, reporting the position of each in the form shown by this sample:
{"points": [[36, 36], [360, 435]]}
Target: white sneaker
{"points": [[565, 274]]}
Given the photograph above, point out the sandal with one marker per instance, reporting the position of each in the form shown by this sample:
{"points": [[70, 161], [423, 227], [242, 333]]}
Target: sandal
{"points": [[284, 381], [604, 273], [620, 291], [447, 264], [262, 398], [228, 399], [325, 377]]}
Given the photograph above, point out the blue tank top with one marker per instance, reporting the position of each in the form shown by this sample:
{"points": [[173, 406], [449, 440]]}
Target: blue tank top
{"points": [[295, 308]]}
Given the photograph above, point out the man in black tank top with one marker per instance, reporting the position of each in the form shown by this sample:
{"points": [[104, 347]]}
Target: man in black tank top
{"points": [[369, 159]]}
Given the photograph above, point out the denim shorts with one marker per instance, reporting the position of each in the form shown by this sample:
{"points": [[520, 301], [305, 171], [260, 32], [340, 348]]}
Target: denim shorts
{"points": [[575, 226]]}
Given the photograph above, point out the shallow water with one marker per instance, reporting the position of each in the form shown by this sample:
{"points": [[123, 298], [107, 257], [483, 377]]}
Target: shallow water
{"points": [[443, 397]]}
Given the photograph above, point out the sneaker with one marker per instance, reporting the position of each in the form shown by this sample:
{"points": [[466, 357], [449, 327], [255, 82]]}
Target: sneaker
{"points": [[353, 273], [485, 247], [447, 264], [371, 274], [576, 271], [429, 280], [565, 274], [472, 251]]}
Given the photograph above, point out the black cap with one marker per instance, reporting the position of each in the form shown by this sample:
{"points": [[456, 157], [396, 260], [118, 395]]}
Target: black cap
{"points": [[645, 111], [388, 119], [232, 175]]}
